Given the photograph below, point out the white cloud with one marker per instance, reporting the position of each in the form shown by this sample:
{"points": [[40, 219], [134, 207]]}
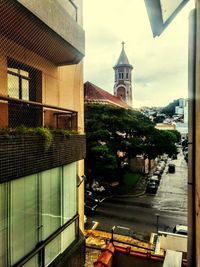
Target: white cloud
{"points": [[160, 64]]}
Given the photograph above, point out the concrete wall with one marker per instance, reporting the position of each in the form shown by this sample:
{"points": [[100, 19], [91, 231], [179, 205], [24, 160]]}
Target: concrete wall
{"points": [[165, 126], [173, 242], [121, 260], [139, 165]]}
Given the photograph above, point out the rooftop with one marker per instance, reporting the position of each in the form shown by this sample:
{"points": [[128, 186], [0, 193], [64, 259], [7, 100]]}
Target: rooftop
{"points": [[95, 94]]}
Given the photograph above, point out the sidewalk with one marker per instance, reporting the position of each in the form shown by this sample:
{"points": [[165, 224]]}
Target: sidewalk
{"points": [[137, 190]]}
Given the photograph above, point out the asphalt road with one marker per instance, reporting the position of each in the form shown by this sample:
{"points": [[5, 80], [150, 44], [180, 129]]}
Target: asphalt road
{"points": [[140, 214]]}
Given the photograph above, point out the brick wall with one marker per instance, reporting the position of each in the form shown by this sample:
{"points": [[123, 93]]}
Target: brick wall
{"points": [[25, 155]]}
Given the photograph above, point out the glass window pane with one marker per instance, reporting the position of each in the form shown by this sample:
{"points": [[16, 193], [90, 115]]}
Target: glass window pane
{"points": [[69, 192], [25, 89], [13, 70], [32, 262], [51, 201], [23, 217], [52, 250], [24, 73], [68, 236], [3, 225], [13, 86]]}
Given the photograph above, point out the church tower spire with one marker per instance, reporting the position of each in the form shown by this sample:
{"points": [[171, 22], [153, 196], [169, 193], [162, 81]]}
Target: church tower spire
{"points": [[123, 79]]}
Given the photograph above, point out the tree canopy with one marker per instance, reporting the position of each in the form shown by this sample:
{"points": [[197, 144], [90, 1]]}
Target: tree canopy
{"points": [[110, 129], [170, 108]]}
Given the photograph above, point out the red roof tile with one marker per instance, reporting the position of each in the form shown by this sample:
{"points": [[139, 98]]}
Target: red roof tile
{"points": [[95, 94]]}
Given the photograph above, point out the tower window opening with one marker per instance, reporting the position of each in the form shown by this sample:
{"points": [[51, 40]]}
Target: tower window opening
{"points": [[121, 75]]}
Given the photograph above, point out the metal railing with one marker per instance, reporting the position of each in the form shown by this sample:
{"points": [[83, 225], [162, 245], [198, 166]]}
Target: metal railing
{"points": [[16, 112]]}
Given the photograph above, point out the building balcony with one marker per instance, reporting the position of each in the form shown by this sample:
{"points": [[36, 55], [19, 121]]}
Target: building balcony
{"points": [[25, 154], [48, 28], [16, 112]]}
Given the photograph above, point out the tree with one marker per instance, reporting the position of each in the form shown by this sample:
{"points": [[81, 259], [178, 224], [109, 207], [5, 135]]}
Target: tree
{"points": [[110, 129], [170, 109]]}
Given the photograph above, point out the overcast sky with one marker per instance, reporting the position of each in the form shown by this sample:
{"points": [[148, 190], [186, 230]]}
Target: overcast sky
{"points": [[160, 64]]}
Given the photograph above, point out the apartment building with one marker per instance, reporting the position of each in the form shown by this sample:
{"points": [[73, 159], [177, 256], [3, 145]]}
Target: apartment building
{"points": [[41, 169]]}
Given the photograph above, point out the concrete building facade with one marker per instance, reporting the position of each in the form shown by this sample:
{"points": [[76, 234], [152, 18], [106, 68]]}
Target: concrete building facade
{"points": [[41, 170]]}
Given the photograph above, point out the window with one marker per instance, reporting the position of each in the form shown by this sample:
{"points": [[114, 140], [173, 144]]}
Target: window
{"points": [[121, 75], [23, 217], [127, 76], [23, 81], [34, 207], [18, 83], [69, 192], [50, 201]]}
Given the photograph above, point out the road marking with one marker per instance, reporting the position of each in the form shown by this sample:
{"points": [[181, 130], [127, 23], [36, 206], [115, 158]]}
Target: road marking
{"points": [[95, 225], [102, 200]]}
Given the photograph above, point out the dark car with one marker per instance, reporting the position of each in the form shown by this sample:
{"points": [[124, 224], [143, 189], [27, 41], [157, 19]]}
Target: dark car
{"points": [[174, 156], [160, 169], [158, 173], [155, 179], [90, 206], [171, 168], [152, 187]]}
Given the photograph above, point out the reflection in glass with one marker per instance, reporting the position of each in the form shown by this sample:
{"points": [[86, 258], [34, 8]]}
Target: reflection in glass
{"points": [[69, 192], [25, 89], [51, 201], [23, 217], [13, 86]]}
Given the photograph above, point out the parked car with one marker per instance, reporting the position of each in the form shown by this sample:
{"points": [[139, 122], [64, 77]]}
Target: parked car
{"points": [[159, 168], [158, 173], [174, 156], [162, 164], [155, 179], [164, 158], [180, 229], [90, 206], [92, 199], [171, 168], [152, 187]]}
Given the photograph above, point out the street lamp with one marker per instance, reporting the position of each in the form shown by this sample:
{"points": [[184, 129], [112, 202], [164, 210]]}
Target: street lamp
{"points": [[157, 221]]}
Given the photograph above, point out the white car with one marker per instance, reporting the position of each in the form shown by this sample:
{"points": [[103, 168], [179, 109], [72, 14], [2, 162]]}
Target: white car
{"points": [[180, 229]]}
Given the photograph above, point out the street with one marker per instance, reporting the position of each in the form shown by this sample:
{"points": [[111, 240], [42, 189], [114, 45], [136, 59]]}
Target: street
{"points": [[144, 214]]}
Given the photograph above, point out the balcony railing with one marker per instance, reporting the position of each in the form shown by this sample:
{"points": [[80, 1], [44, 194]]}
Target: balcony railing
{"points": [[16, 112]]}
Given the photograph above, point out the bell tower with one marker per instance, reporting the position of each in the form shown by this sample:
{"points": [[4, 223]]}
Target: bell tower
{"points": [[123, 79]]}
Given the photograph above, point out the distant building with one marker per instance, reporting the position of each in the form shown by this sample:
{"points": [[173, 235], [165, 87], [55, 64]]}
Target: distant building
{"points": [[186, 111], [181, 102], [179, 110], [95, 94], [165, 126], [123, 78], [182, 128]]}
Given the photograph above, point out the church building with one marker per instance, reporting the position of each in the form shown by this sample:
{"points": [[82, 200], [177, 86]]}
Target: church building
{"points": [[123, 79]]}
